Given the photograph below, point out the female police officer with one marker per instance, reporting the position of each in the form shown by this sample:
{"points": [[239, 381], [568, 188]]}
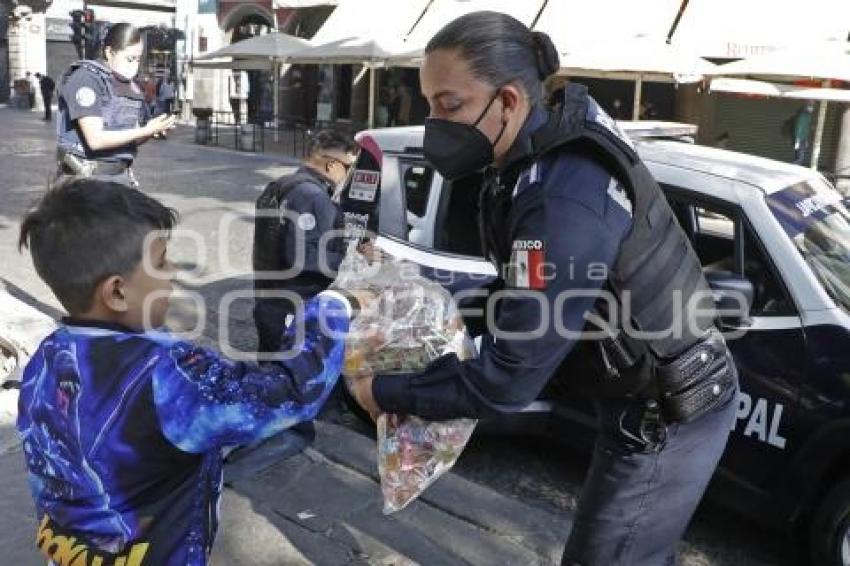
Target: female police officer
{"points": [[100, 107], [580, 232]]}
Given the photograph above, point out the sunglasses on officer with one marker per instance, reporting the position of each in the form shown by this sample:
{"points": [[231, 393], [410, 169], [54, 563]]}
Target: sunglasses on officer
{"points": [[347, 165]]}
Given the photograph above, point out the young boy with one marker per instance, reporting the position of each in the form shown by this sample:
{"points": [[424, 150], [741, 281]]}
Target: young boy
{"points": [[122, 426]]}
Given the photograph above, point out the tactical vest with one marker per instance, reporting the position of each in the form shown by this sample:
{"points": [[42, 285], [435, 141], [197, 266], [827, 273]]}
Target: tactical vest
{"points": [[656, 272], [121, 112]]}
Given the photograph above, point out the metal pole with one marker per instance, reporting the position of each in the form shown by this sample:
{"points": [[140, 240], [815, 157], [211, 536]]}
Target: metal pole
{"points": [[372, 97], [276, 98], [636, 103], [819, 131]]}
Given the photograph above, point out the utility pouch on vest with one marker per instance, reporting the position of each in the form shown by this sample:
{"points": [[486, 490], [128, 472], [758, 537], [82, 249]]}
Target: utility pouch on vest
{"points": [[697, 380]]}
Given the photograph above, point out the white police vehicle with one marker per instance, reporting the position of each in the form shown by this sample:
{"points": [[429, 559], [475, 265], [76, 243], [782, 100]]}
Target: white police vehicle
{"points": [[779, 232]]}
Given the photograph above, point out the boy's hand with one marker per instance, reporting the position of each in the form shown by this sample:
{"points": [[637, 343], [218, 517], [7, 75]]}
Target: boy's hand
{"points": [[363, 297]]}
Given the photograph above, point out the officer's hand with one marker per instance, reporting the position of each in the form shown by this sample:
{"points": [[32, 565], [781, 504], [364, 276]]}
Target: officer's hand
{"points": [[361, 390], [371, 252], [160, 124]]}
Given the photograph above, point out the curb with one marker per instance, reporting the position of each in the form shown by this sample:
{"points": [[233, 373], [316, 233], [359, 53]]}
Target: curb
{"points": [[498, 516]]}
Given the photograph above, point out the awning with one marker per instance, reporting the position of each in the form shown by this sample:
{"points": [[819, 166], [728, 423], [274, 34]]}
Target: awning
{"points": [[275, 45], [441, 12], [652, 60], [573, 23], [736, 28], [779, 90], [823, 61], [383, 21]]}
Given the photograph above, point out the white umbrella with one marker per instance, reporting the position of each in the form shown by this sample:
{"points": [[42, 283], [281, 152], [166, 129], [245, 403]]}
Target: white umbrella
{"points": [[262, 52], [348, 51], [824, 61], [371, 53], [275, 45]]}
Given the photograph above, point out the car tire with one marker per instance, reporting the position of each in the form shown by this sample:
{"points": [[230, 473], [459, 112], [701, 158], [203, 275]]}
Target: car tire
{"points": [[829, 531]]}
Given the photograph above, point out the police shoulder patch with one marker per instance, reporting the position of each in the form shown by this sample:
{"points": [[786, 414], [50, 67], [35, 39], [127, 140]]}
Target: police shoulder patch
{"points": [[85, 96], [306, 221]]}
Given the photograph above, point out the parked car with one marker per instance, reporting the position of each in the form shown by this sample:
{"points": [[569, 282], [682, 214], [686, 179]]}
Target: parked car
{"points": [[782, 230]]}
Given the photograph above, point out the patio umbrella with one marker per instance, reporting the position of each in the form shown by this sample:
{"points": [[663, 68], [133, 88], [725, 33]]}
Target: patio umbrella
{"points": [[275, 45], [371, 53], [262, 52]]}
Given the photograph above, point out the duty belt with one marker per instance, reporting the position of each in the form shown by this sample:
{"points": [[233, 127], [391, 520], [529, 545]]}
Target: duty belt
{"points": [[96, 168], [70, 164], [682, 388]]}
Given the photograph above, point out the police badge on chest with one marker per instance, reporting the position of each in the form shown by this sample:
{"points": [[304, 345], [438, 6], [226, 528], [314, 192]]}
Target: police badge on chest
{"points": [[527, 268]]}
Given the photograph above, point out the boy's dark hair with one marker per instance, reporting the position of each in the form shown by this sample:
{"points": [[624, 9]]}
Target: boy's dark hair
{"points": [[86, 230], [330, 140]]}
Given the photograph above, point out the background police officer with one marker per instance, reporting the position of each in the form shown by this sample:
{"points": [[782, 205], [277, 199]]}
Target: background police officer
{"points": [[302, 205], [570, 212], [100, 107]]}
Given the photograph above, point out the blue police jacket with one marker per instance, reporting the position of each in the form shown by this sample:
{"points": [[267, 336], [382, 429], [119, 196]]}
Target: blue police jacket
{"points": [[569, 219]]}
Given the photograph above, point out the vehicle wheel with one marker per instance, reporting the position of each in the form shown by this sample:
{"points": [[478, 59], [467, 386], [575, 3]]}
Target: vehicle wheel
{"points": [[829, 534]]}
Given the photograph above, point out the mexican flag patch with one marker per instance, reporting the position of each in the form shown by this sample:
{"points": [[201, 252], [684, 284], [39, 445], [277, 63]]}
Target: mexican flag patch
{"points": [[527, 266]]}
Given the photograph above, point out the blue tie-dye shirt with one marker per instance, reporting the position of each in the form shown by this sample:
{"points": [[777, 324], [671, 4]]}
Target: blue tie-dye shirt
{"points": [[122, 432]]}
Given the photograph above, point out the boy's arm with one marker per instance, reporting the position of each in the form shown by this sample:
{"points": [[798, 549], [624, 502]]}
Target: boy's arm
{"points": [[205, 401]]}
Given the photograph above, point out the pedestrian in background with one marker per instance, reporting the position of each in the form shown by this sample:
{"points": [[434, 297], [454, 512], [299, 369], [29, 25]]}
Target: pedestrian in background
{"points": [[802, 131], [47, 87], [31, 88]]}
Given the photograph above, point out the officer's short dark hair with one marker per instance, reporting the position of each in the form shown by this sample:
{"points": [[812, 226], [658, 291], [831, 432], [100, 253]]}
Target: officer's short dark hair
{"points": [[86, 230], [329, 140], [121, 36], [500, 49]]}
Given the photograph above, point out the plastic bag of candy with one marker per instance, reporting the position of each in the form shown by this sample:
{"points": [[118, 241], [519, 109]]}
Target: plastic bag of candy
{"points": [[412, 322]]}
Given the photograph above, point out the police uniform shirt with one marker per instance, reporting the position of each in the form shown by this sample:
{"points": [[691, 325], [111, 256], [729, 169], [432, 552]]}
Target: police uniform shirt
{"points": [[85, 94], [569, 218]]}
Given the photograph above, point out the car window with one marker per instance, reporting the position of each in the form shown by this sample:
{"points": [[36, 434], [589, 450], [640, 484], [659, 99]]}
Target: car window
{"points": [[716, 231], [456, 225], [816, 218], [416, 178]]}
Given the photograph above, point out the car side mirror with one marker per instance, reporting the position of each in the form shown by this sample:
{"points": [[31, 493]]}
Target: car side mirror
{"points": [[733, 297]]}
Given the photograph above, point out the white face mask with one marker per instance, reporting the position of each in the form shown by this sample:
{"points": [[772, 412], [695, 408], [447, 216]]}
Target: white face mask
{"points": [[125, 69], [124, 64]]}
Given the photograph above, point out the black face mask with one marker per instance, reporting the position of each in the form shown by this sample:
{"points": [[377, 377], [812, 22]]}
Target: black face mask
{"points": [[457, 149]]}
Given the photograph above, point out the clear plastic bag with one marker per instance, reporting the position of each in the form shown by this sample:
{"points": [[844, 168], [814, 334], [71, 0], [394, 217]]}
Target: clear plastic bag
{"points": [[412, 322]]}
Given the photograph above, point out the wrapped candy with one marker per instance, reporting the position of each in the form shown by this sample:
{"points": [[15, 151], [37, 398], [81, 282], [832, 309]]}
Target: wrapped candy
{"points": [[412, 322]]}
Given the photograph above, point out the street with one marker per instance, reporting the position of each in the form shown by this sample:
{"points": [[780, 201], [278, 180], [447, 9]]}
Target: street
{"points": [[207, 185]]}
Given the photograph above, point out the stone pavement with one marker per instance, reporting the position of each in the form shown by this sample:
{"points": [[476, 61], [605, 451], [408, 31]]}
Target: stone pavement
{"points": [[320, 506]]}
